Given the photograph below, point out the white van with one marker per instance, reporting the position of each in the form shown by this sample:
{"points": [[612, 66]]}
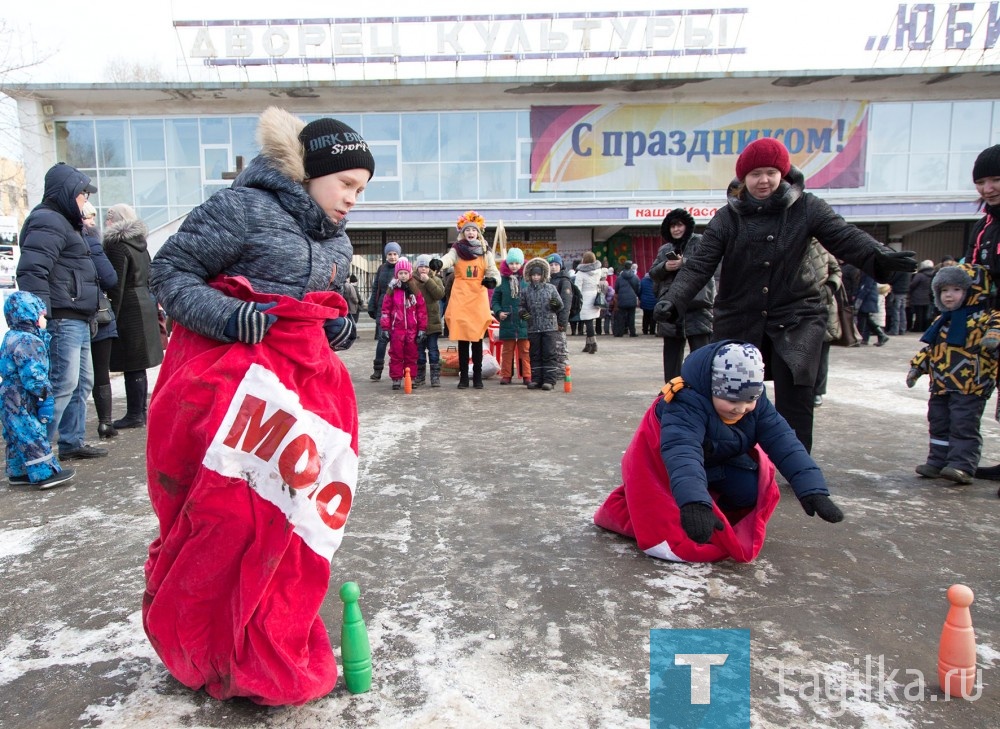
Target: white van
{"points": [[9, 251]]}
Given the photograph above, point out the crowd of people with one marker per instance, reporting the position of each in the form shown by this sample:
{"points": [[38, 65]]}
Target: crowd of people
{"points": [[258, 286]]}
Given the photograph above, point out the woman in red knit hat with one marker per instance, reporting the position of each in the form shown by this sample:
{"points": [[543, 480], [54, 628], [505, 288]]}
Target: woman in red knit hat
{"points": [[768, 291]]}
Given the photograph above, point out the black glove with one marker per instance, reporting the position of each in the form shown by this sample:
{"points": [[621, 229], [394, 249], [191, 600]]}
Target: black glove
{"points": [[525, 314], [249, 323], [340, 332], [821, 504], [490, 283], [421, 338], [665, 312], [384, 336], [699, 521], [912, 376], [888, 262], [555, 304], [436, 264]]}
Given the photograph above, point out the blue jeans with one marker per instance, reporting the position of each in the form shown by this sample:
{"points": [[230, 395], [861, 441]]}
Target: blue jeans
{"points": [[72, 374], [429, 352]]}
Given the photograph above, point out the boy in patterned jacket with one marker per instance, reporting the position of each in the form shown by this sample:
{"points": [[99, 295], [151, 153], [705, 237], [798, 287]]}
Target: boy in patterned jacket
{"points": [[26, 402], [960, 357]]}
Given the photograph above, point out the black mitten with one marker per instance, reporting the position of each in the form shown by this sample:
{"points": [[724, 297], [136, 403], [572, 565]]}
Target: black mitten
{"points": [[888, 262], [665, 312], [699, 521], [822, 505], [436, 264], [489, 282]]}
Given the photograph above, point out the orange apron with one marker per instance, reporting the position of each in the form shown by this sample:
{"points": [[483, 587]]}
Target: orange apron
{"points": [[468, 314]]}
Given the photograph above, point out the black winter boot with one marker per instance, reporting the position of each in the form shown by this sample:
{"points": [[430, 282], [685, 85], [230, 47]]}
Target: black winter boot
{"points": [[376, 374], [477, 377], [436, 375], [421, 377], [102, 403], [135, 401]]}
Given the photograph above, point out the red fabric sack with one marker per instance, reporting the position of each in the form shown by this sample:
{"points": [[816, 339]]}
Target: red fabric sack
{"points": [[252, 465], [644, 509]]}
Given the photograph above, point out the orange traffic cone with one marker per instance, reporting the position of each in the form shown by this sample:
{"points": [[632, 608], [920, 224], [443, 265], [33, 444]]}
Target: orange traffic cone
{"points": [[957, 652], [407, 381], [567, 381]]}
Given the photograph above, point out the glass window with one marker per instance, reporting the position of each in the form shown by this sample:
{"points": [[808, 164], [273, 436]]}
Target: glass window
{"points": [[458, 137], [960, 171], [420, 137], [182, 142], [147, 143], [150, 187], [524, 191], [153, 217], [459, 183], [75, 143], [498, 136], [381, 190], [380, 127], [245, 138], [115, 186], [386, 160], [112, 150], [970, 125], [890, 128], [497, 180], [184, 187], [216, 163], [928, 172], [215, 130], [929, 130], [421, 181], [888, 173]]}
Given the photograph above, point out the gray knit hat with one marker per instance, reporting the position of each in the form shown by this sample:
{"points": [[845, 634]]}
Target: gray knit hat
{"points": [[738, 372], [949, 276]]}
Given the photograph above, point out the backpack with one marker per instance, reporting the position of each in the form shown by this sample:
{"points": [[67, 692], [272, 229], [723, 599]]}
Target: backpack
{"points": [[577, 304]]}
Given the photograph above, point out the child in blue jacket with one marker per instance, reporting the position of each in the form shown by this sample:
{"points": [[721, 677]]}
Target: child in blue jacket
{"points": [[26, 402], [699, 474]]}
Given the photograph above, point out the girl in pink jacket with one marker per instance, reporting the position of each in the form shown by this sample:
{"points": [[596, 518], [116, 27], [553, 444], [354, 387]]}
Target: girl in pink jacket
{"points": [[403, 322]]}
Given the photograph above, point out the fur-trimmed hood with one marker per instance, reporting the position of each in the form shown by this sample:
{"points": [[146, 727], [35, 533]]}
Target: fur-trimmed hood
{"points": [[278, 137], [539, 264], [674, 216], [130, 232]]}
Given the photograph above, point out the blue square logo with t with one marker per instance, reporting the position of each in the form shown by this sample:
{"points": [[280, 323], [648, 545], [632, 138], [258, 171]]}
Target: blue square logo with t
{"points": [[699, 679]]}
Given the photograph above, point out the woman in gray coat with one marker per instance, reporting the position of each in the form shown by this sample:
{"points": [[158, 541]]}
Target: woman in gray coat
{"points": [[137, 347]]}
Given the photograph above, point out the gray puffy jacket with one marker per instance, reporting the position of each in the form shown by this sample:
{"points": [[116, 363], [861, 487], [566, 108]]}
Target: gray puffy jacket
{"points": [[265, 228]]}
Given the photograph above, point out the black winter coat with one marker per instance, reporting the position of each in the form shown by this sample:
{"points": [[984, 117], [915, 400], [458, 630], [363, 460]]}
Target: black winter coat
{"points": [[108, 278], [768, 288], [55, 262], [627, 290], [138, 346], [380, 286], [698, 317], [920, 287]]}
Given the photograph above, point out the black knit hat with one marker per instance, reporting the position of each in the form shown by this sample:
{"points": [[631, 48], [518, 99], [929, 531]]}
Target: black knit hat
{"points": [[332, 146], [987, 163]]}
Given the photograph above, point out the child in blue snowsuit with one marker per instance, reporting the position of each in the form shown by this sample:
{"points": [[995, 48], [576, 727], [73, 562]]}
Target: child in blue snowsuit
{"points": [[26, 402]]}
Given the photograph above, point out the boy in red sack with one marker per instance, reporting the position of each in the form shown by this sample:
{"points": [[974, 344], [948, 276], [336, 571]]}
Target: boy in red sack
{"points": [[698, 476], [252, 449]]}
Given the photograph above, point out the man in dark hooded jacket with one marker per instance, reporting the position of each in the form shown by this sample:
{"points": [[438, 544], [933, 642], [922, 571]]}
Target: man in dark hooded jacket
{"points": [[56, 266]]}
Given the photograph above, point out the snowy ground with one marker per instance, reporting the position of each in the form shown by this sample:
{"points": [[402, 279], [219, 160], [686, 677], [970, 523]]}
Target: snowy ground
{"points": [[492, 600]]}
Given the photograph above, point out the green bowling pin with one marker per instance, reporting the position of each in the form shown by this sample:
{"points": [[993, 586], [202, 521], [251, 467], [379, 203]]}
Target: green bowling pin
{"points": [[355, 652]]}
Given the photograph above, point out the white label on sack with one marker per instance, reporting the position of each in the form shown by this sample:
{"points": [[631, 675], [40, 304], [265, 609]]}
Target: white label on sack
{"points": [[290, 456]]}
